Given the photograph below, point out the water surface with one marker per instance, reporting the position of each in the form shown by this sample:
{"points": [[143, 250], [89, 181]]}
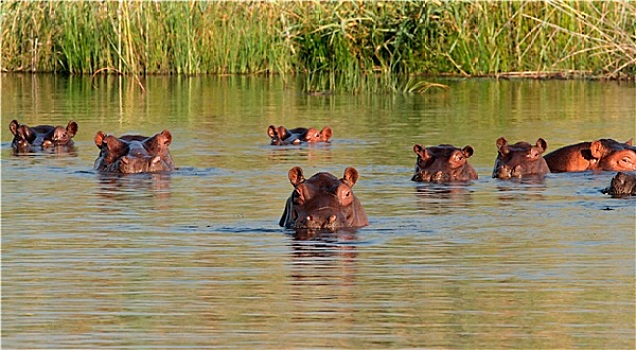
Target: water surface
{"points": [[196, 258]]}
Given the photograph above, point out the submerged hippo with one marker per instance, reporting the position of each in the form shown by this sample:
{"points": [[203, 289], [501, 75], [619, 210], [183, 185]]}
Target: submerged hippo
{"points": [[284, 136], [30, 139], [519, 160], [602, 154], [134, 153], [323, 202], [443, 163], [623, 184]]}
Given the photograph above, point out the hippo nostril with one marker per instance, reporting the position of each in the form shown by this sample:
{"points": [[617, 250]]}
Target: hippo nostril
{"points": [[332, 218], [125, 160], [309, 218]]}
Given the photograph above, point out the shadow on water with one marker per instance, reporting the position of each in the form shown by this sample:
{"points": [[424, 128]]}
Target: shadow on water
{"points": [[311, 152], [63, 151], [524, 188], [323, 260], [120, 188], [440, 198]]}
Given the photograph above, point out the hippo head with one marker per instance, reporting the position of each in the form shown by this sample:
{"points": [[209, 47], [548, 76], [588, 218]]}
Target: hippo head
{"points": [[313, 135], [623, 184], [323, 202], [612, 155], [443, 163], [278, 135], [23, 136], [61, 136], [520, 159], [134, 153]]}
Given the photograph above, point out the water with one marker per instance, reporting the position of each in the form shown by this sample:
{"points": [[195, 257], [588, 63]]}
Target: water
{"points": [[196, 258]]}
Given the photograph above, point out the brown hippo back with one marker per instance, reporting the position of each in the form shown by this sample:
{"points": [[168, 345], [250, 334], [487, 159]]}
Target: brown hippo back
{"points": [[519, 160], [134, 153], [602, 154], [323, 202], [443, 163]]}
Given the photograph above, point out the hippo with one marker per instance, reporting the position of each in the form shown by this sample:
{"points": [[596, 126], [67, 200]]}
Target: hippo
{"points": [[443, 163], [602, 154], [283, 136], [134, 153], [30, 139], [323, 202], [520, 160], [623, 184]]}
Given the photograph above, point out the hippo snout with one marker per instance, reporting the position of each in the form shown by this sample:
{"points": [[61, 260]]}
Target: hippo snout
{"points": [[316, 221]]}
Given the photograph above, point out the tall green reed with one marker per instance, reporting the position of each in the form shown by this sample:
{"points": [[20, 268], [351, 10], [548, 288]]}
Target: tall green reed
{"points": [[353, 45]]}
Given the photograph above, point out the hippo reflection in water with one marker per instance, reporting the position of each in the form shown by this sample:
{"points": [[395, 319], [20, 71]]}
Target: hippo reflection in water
{"points": [[134, 153], [283, 136], [623, 184], [42, 137], [323, 202], [602, 154], [443, 163], [519, 160]]}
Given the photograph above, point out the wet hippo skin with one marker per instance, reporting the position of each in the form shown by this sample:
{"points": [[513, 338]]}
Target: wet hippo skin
{"points": [[31, 139], [601, 154], [443, 163], [519, 160], [622, 184], [134, 153], [283, 136], [323, 201]]}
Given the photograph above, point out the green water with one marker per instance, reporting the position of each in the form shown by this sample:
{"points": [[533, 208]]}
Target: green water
{"points": [[197, 259]]}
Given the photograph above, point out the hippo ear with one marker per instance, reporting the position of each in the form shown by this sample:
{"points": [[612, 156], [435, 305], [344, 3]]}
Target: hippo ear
{"points": [[271, 131], [420, 151], [99, 139], [502, 145], [597, 149], [71, 128], [283, 133], [167, 137], [350, 176], [311, 135], [13, 126], [629, 142], [326, 133], [542, 145], [468, 151], [295, 176]]}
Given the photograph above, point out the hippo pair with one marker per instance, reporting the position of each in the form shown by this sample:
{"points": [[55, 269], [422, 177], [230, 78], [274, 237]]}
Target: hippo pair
{"points": [[446, 163], [282, 136], [42, 137], [523, 159], [127, 154], [136, 153]]}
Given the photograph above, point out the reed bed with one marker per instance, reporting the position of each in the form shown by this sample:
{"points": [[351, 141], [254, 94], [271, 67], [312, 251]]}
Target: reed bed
{"points": [[335, 45]]}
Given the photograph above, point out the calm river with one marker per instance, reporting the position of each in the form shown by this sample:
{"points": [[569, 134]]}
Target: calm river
{"points": [[197, 259]]}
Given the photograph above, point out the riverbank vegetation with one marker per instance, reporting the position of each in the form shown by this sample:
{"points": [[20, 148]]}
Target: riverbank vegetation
{"points": [[336, 45]]}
